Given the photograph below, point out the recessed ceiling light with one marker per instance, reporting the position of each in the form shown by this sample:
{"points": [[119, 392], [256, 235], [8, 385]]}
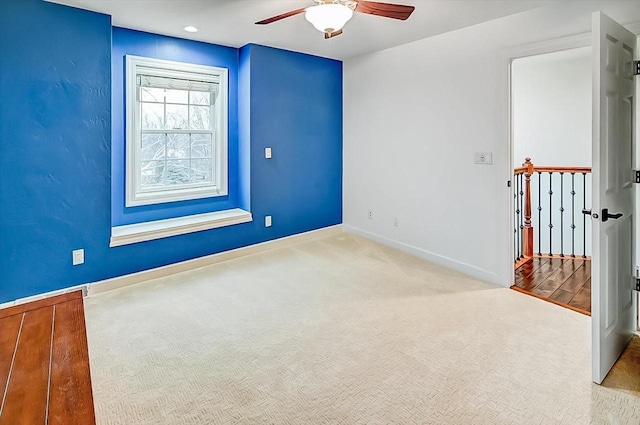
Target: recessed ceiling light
{"points": [[190, 28]]}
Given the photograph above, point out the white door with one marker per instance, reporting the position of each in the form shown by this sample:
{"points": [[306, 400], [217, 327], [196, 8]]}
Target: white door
{"points": [[612, 306]]}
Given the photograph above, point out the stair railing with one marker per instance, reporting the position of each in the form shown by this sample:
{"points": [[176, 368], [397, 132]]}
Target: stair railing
{"points": [[561, 238]]}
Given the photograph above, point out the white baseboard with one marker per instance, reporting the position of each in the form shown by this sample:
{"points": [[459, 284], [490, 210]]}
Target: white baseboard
{"points": [[471, 270], [42, 296], [142, 276], [101, 286], [98, 287]]}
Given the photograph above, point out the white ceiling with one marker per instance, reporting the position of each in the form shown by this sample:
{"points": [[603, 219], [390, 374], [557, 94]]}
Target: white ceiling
{"points": [[231, 22]]}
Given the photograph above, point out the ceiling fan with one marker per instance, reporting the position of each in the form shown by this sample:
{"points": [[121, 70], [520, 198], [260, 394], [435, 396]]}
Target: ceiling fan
{"points": [[329, 16]]}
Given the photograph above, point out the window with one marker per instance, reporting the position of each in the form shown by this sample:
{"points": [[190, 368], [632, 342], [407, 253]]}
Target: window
{"points": [[176, 141]]}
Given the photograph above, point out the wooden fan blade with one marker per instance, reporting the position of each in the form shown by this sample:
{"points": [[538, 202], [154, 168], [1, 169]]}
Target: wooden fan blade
{"points": [[328, 35], [388, 10], [284, 15]]}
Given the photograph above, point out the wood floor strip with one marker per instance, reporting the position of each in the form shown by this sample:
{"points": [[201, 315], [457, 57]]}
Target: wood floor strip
{"points": [[540, 275], [547, 287], [46, 302], [26, 399], [582, 300], [525, 274], [578, 279], [71, 399], [566, 270], [53, 327], [562, 296], [9, 330], [564, 282], [570, 307]]}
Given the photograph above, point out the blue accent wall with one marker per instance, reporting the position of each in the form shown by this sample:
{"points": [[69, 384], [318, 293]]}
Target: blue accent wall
{"points": [[56, 146], [55, 162], [136, 43], [296, 109]]}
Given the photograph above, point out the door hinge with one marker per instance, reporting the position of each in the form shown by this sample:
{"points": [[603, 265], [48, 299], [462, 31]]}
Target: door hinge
{"points": [[508, 183], [636, 176], [636, 67], [637, 284]]}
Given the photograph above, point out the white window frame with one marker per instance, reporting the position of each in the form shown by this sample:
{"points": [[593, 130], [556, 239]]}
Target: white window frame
{"points": [[133, 195]]}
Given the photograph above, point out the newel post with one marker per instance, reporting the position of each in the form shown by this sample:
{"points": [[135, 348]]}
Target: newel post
{"points": [[527, 231]]}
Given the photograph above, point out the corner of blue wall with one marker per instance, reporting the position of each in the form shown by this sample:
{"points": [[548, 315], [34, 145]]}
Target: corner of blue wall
{"points": [[244, 127]]}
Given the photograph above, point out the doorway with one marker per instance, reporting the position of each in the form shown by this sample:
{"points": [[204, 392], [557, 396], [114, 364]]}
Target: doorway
{"points": [[615, 224], [551, 132]]}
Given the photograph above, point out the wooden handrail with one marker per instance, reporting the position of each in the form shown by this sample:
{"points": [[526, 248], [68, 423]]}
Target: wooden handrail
{"points": [[552, 169]]}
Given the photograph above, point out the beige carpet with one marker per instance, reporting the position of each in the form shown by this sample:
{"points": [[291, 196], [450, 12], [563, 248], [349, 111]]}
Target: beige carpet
{"points": [[340, 330]]}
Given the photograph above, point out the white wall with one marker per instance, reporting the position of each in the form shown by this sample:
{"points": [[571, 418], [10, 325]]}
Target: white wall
{"points": [[551, 95], [415, 114]]}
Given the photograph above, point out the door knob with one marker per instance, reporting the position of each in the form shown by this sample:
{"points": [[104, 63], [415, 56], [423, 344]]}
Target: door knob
{"points": [[606, 216]]}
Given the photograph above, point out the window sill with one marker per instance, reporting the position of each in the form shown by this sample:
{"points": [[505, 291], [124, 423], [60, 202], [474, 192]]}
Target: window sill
{"points": [[141, 232]]}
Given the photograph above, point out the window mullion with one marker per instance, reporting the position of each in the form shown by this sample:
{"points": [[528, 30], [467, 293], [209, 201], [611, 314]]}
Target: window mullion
{"points": [[190, 137], [175, 131], [190, 159], [166, 162], [214, 140]]}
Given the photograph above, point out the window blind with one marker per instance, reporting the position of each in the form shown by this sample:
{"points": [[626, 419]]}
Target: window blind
{"points": [[177, 84]]}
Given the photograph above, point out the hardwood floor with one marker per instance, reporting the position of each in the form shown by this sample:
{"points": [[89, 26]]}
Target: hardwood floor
{"points": [[562, 281], [625, 373], [44, 363]]}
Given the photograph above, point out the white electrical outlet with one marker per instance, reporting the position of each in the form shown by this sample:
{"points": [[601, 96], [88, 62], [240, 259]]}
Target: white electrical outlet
{"points": [[267, 221], [267, 153], [78, 257], [395, 221], [370, 215], [483, 158]]}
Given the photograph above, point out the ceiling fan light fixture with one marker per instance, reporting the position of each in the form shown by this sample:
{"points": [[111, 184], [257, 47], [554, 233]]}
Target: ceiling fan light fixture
{"points": [[328, 17]]}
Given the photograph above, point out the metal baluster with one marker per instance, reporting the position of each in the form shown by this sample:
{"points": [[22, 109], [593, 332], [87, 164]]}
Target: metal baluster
{"points": [[516, 245], [518, 216], [550, 213], [539, 212], [517, 195], [522, 214], [561, 214], [573, 215], [584, 216]]}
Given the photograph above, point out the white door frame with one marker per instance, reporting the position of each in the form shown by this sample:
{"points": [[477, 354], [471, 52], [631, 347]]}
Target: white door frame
{"points": [[507, 56]]}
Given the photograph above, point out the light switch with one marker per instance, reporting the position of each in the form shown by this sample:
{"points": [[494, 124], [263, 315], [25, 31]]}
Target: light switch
{"points": [[78, 256], [267, 221], [484, 158], [267, 153]]}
